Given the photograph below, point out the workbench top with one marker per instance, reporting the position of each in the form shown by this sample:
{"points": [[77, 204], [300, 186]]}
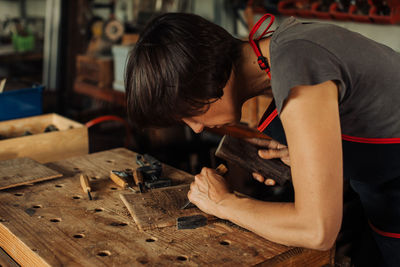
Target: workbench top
{"points": [[52, 223]]}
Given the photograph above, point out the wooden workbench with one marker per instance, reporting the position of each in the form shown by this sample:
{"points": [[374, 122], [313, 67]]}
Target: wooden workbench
{"points": [[52, 223]]}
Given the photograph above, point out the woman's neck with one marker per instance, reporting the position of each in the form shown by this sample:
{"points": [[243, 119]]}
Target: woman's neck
{"points": [[251, 80]]}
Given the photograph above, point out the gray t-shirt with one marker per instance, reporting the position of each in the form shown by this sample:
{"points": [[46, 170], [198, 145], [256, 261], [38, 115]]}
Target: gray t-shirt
{"points": [[367, 73]]}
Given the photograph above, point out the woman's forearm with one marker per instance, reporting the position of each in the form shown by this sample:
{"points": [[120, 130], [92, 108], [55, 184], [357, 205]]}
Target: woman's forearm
{"points": [[278, 222]]}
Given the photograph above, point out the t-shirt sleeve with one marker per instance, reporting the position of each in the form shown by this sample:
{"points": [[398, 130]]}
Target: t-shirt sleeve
{"points": [[302, 62]]}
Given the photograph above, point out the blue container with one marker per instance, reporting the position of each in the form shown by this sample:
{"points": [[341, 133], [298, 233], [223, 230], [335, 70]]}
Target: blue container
{"points": [[21, 103]]}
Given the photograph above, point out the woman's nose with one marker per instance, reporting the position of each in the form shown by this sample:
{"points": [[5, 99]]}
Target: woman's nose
{"points": [[196, 126]]}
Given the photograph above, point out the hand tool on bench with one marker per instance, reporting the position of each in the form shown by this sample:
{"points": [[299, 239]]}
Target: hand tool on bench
{"points": [[221, 170], [85, 185], [245, 154], [191, 222], [138, 177], [121, 179], [151, 169]]}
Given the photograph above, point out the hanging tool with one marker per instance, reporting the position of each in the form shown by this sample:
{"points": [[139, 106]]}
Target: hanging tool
{"points": [[113, 30], [121, 178], [85, 185], [221, 170]]}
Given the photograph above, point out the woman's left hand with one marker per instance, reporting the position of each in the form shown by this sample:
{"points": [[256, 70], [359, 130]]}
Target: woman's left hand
{"points": [[208, 191]]}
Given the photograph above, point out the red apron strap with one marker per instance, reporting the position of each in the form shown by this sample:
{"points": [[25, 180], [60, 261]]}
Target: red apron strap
{"points": [[262, 61], [387, 234]]}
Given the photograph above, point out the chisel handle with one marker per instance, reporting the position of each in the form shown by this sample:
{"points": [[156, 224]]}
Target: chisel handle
{"points": [[221, 169], [118, 180], [138, 177], [85, 185]]}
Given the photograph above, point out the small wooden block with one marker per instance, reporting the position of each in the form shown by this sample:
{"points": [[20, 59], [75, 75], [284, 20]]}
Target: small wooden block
{"points": [[160, 207], [191, 222], [244, 154], [21, 171]]}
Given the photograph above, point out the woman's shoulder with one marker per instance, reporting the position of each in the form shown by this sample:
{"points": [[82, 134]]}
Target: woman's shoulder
{"points": [[292, 29]]}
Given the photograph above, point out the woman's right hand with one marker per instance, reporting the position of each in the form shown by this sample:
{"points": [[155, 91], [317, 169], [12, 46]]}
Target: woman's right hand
{"points": [[273, 150]]}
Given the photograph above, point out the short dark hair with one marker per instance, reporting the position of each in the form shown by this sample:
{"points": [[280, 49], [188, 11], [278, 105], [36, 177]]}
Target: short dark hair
{"points": [[180, 64]]}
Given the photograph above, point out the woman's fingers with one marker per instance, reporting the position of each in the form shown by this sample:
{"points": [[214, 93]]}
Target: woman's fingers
{"points": [[208, 188], [270, 182], [273, 153], [259, 141], [261, 179], [200, 183], [258, 177], [273, 150], [267, 143]]}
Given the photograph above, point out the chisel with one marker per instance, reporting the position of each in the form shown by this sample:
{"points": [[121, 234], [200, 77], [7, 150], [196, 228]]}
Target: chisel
{"points": [[120, 179], [85, 185], [221, 170], [138, 177]]}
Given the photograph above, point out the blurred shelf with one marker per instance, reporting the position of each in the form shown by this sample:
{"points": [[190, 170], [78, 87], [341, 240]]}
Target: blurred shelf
{"points": [[8, 56], [107, 94]]}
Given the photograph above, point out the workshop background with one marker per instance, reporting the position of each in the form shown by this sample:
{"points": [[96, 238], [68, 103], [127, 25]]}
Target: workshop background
{"points": [[77, 51], [68, 58]]}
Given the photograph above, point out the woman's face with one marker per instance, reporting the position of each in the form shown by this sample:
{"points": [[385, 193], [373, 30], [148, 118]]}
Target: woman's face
{"points": [[217, 115], [222, 112]]}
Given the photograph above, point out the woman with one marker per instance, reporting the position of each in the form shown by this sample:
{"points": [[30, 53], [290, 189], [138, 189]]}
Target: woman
{"points": [[336, 95]]}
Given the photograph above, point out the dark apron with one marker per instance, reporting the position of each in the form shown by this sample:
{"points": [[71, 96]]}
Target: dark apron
{"points": [[373, 168]]}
